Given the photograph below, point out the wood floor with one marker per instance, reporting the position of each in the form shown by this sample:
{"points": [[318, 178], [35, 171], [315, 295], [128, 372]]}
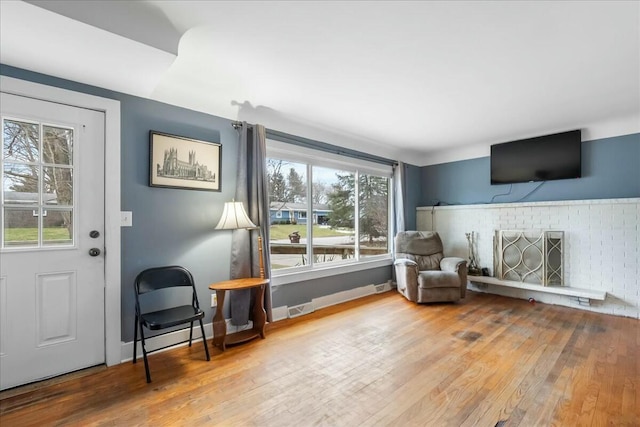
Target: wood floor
{"points": [[380, 360]]}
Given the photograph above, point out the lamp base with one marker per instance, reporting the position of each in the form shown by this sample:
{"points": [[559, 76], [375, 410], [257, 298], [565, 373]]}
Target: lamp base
{"points": [[260, 255]]}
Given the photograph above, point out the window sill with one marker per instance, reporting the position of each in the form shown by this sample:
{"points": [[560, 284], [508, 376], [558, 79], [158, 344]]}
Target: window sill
{"points": [[317, 273]]}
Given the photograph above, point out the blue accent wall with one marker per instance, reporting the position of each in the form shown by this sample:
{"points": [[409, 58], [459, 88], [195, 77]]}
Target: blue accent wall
{"points": [[172, 226], [610, 169], [413, 194]]}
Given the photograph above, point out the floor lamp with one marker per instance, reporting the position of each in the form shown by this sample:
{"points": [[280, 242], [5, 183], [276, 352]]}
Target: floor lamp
{"points": [[234, 217]]}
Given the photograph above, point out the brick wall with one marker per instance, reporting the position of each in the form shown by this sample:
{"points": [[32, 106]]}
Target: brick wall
{"points": [[600, 247]]}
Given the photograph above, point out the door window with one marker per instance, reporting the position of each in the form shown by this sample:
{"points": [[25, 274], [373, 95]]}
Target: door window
{"points": [[37, 185]]}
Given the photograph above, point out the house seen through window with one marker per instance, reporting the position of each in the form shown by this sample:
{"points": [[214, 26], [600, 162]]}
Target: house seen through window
{"points": [[325, 210]]}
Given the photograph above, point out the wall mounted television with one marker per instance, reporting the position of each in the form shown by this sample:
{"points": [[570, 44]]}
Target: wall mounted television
{"points": [[543, 158]]}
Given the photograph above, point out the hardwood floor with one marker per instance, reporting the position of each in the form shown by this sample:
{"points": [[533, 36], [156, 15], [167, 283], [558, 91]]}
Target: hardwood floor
{"points": [[380, 360]]}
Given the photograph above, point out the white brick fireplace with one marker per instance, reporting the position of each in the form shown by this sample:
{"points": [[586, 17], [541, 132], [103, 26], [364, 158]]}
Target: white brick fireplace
{"points": [[600, 247]]}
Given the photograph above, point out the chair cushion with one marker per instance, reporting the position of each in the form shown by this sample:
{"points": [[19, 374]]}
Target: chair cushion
{"points": [[423, 247], [438, 279], [418, 242]]}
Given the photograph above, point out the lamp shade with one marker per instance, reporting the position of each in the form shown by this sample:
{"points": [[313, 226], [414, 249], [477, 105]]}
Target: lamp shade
{"points": [[234, 217]]}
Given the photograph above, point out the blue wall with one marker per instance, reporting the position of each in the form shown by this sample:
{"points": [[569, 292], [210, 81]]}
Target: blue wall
{"points": [[172, 226], [610, 169], [412, 195]]}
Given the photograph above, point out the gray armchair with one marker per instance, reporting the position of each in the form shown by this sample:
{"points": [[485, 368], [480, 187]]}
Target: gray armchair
{"points": [[423, 274]]}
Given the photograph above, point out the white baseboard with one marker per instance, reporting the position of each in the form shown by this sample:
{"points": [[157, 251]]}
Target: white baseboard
{"points": [[154, 343], [279, 313], [284, 312], [344, 296]]}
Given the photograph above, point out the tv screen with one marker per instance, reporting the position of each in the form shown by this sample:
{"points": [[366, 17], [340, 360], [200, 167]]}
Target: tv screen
{"points": [[543, 158]]}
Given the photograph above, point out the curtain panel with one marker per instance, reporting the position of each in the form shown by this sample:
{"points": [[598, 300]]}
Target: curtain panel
{"points": [[399, 186], [252, 192], [398, 192]]}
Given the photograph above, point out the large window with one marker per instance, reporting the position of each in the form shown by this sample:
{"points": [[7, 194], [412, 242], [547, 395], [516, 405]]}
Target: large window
{"points": [[326, 210]]}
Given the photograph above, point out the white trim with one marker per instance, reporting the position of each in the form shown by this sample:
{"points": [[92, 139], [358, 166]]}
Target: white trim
{"points": [[328, 271], [165, 340], [286, 151], [525, 204], [111, 109], [279, 313], [343, 296], [283, 312], [312, 158]]}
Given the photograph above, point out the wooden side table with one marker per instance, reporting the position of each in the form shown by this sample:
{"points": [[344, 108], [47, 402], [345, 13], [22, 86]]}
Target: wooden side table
{"points": [[220, 338]]}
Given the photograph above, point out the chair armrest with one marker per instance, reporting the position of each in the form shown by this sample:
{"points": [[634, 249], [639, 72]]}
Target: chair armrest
{"points": [[406, 272], [457, 265], [405, 262], [452, 264]]}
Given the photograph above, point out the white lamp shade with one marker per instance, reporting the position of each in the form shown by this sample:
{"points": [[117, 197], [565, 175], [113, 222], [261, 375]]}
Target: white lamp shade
{"points": [[234, 217]]}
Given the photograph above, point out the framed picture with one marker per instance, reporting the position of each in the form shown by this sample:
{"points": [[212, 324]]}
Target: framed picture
{"points": [[178, 162]]}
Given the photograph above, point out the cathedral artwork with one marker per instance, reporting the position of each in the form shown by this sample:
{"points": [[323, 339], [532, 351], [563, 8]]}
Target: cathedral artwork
{"points": [[184, 163]]}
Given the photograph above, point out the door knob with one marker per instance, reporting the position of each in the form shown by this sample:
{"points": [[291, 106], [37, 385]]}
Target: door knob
{"points": [[94, 251]]}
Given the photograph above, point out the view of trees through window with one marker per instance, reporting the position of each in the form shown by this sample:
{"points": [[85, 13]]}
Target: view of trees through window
{"points": [[349, 217], [37, 184]]}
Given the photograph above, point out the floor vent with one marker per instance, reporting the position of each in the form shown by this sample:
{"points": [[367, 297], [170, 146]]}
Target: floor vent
{"points": [[299, 310]]}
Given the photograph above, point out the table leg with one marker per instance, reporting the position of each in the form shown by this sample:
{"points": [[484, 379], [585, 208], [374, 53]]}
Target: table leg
{"points": [[219, 323], [259, 315]]}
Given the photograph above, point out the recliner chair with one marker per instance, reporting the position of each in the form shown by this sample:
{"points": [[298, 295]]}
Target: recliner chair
{"points": [[423, 273]]}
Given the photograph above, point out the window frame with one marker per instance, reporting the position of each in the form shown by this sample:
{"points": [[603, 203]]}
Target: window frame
{"points": [[40, 207], [320, 158]]}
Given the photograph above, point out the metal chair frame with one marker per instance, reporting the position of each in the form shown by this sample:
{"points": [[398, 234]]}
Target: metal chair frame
{"points": [[154, 279]]}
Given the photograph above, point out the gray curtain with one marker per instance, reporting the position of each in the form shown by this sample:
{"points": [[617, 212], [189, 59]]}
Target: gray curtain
{"points": [[398, 215], [251, 190], [398, 190]]}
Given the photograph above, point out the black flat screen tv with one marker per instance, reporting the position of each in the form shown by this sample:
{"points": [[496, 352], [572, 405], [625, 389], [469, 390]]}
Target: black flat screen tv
{"points": [[543, 158]]}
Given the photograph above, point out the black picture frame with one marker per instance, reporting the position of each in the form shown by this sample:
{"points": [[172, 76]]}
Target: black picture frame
{"points": [[185, 163]]}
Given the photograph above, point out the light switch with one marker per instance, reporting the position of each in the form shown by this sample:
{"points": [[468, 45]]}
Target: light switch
{"points": [[126, 219]]}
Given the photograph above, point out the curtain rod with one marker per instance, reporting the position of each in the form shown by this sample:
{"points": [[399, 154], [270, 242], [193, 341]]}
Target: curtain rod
{"points": [[318, 145]]}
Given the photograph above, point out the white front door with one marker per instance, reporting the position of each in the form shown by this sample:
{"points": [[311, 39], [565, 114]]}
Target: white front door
{"points": [[51, 239]]}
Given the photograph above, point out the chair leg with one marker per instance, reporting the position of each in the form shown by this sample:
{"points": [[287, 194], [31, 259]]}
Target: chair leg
{"points": [[190, 334], [204, 341], [135, 338], [144, 354]]}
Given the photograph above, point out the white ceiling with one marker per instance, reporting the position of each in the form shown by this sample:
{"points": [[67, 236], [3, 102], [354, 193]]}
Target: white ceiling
{"points": [[422, 82]]}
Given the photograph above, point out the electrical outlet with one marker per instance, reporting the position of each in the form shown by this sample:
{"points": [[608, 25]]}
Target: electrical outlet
{"points": [[214, 300]]}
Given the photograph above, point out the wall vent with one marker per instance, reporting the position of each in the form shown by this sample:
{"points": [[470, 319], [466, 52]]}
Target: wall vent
{"points": [[384, 287], [299, 310]]}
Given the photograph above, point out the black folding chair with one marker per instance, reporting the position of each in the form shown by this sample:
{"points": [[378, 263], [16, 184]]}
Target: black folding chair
{"points": [[155, 280]]}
